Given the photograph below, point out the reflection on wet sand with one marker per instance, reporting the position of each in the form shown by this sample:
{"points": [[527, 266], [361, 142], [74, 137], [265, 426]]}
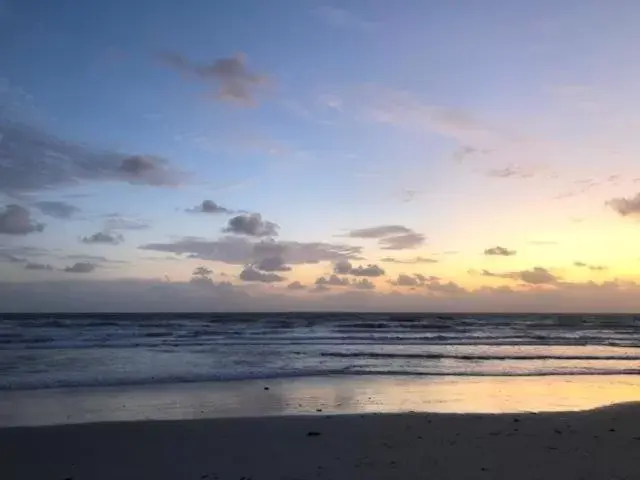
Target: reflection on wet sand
{"points": [[326, 395]]}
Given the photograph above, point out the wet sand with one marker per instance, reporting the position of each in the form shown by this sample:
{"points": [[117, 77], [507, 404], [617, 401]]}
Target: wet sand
{"points": [[596, 444]]}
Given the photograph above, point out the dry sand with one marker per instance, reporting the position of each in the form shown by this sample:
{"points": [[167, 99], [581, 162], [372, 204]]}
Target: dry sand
{"points": [[599, 444]]}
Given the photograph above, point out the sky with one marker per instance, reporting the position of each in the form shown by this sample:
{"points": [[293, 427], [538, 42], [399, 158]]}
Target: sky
{"points": [[309, 155]]}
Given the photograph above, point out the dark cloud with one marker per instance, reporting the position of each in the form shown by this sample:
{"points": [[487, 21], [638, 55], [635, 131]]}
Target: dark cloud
{"points": [[208, 206], [17, 253], [405, 280], [81, 267], [535, 276], [236, 83], [626, 206], [451, 288], [16, 220], [593, 268], [346, 268], [342, 267], [34, 160], [363, 284], [104, 238], [202, 271], [75, 293], [333, 280], [499, 251], [147, 170], [202, 275], [56, 209], [251, 224], [320, 288], [8, 258], [93, 259], [242, 251], [250, 274], [402, 242], [273, 264], [379, 232], [296, 286], [368, 271], [37, 266], [414, 280], [413, 260]]}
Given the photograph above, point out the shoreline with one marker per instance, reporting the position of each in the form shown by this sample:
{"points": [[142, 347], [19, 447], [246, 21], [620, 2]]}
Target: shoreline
{"points": [[595, 444], [316, 395]]}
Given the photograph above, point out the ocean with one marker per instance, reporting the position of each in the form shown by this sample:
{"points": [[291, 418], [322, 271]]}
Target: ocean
{"points": [[42, 351]]}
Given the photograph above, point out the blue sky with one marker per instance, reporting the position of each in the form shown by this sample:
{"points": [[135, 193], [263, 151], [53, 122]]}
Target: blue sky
{"points": [[470, 125]]}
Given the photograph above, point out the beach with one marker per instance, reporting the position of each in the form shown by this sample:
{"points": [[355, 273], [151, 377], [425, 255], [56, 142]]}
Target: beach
{"points": [[596, 444], [329, 396]]}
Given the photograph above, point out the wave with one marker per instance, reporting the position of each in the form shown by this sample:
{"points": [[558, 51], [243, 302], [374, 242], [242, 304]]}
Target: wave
{"points": [[354, 372], [185, 341], [443, 356]]}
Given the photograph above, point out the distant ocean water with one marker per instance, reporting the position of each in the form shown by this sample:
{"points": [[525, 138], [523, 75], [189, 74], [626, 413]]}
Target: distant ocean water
{"points": [[65, 350]]}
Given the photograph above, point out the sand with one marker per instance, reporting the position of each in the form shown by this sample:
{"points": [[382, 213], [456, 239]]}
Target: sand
{"points": [[597, 444]]}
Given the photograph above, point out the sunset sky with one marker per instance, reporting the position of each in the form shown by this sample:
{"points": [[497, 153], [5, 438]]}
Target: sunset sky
{"points": [[305, 155]]}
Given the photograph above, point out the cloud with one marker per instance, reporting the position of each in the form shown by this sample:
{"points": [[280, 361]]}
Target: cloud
{"points": [[147, 170], [402, 109], [273, 264], [242, 251], [201, 275], [76, 293], [379, 232], [450, 288], [342, 267], [296, 286], [253, 225], [104, 238], [208, 206], [341, 18], [368, 271], [333, 280], [250, 274], [6, 257], [471, 136], [33, 160], [235, 82], [500, 251], [16, 253], [320, 288], [402, 242], [414, 280], [37, 266], [116, 222], [330, 101], [405, 280], [626, 206], [93, 258], [81, 267], [390, 237], [414, 260], [56, 209], [535, 276], [363, 284], [202, 271], [345, 267], [593, 268], [543, 243], [16, 220], [509, 172]]}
